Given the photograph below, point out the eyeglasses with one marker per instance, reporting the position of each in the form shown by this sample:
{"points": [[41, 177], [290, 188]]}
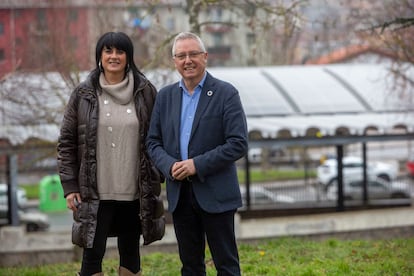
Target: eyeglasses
{"points": [[191, 55]]}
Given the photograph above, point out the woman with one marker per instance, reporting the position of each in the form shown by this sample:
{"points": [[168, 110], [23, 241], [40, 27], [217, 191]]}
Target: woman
{"points": [[108, 180]]}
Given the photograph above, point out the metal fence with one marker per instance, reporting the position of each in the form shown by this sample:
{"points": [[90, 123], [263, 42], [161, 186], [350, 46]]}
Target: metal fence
{"points": [[302, 196]]}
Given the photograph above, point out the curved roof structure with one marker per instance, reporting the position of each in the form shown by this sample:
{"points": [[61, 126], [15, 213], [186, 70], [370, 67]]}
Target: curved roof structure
{"points": [[319, 100], [279, 101]]}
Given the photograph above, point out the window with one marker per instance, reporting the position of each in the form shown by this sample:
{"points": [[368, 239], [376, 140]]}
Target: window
{"points": [[2, 55], [376, 184], [73, 15], [73, 42], [218, 39], [251, 39], [1, 28], [41, 20], [170, 24], [216, 14], [355, 184], [352, 165]]}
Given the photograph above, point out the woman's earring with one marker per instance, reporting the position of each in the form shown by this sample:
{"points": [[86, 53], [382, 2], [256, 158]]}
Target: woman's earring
{"points": [[100, 66]]}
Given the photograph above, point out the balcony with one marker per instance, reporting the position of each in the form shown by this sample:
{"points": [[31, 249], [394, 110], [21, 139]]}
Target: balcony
{"points": [[219, 52], [217, 28]]}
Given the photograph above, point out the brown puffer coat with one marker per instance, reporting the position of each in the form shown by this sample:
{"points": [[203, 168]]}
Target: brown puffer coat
{"points": [[77, 163]]}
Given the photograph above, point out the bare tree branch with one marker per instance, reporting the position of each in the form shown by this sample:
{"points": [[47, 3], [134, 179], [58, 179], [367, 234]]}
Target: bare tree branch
{"points": [[396, 24]]}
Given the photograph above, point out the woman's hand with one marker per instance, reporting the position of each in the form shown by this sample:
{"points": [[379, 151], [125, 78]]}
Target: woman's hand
{"points": [[73, 200]]}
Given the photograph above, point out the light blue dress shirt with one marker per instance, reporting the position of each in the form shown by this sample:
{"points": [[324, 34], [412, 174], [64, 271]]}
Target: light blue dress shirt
{"points": [[188, 109]]}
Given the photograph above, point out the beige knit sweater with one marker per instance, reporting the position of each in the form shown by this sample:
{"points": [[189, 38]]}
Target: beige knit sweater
{"points": [[118, 140]]}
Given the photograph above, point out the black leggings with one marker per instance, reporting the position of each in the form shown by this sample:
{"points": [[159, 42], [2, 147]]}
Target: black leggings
{"points": [[115, 218]]}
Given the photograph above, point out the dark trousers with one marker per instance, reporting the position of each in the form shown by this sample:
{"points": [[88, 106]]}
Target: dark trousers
{"points": [[193, 225], [115, 218]]}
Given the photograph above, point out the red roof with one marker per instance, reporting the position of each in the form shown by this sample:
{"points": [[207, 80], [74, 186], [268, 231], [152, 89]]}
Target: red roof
{"points": [[347, 53]]}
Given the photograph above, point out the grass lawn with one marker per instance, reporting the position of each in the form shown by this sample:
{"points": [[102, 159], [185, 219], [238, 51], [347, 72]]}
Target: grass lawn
{"points": [[282, 256]]}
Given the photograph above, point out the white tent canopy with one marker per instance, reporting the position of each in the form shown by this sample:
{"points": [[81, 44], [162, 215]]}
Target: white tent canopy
{"points": [[279, 101], [327, 100]]}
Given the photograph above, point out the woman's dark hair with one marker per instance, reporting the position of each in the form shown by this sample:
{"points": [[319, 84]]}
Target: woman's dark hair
{"points": [[120, 41]]}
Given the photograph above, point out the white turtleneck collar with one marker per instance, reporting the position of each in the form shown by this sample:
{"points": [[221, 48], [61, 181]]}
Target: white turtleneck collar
{"points": [[121, 92]]}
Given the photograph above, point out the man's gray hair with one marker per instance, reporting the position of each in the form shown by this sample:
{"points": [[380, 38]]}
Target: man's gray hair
{"points": [[188, 35]]}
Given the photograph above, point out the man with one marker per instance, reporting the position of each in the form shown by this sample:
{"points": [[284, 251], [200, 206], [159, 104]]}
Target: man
{"points": [[197, 132]]}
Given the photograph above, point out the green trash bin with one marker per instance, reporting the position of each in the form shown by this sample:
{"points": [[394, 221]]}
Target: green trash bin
{"points": [[51, 194]]}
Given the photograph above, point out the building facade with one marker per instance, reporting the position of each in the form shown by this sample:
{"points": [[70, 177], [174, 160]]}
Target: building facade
{"points": [[43, 36], [60, 35]]}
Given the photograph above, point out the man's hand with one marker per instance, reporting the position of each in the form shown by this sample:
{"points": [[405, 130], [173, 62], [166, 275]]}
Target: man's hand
{"points": [[182, 169]]}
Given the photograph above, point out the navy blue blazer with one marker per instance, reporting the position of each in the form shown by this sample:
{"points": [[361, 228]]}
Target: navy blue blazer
{"points": [[218, 139]]}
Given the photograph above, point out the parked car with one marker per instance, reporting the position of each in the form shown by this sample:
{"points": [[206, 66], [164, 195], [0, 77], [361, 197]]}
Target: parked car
{"points": [[272, 155], [377, 189], [255, 155], [260, 196], [21, 196], [353, 166], [410, 166], [32, 220]]}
